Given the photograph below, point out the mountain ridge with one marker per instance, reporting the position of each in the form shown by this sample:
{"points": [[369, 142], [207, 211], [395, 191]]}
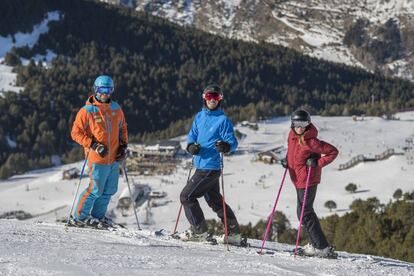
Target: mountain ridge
{"points": [[316, 28]]}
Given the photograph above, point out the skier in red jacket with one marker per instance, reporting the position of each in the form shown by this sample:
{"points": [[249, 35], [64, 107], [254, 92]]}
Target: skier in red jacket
{"points": [[306, 150]]}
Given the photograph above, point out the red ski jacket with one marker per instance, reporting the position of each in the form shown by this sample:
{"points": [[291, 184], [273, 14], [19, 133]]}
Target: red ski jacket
{"points": [[302, 147]]}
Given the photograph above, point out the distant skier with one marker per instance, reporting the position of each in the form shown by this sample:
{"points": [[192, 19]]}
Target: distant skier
{"points": [[211, 134], [101, 129], [306, 150]]}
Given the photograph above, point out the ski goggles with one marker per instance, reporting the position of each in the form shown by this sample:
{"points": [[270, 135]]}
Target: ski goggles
{"points": [[301, 124], [209, 96], [108, 90]]}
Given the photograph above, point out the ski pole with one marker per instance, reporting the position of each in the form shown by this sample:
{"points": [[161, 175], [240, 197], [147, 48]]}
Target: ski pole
{"points": [[77, 190], [269, 222], [177, 219], [130, 193], [181, 206], [224, 203], [303, 209]]}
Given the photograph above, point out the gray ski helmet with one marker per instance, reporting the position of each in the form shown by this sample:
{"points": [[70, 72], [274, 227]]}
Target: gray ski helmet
{"points": [[300, 118]]}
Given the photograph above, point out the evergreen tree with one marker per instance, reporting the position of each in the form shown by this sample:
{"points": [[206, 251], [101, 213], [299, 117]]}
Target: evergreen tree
{"points": [[330, 204]]}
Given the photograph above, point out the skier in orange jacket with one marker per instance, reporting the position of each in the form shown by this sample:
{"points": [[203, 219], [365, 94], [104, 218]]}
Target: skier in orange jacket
{"points": [[101, 129]]}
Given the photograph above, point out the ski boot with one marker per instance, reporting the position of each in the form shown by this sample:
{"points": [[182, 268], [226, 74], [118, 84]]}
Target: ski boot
{"points": [[233, 239], [310, 251], [190, 235]]}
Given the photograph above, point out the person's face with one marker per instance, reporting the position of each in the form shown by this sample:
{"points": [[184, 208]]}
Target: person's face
{"points": [[212, 104], [300, 130], [104, 97], [212, 99]]}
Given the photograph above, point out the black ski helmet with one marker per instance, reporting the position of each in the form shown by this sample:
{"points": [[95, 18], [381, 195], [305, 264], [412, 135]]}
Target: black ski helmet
{"points": [[212, 88], [300, 115]]}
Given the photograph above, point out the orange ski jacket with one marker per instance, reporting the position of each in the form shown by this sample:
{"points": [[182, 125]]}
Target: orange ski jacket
{"points": [[101, 122]]}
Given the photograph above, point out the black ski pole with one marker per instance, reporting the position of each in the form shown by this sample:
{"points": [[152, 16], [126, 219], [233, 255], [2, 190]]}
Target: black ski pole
{"points": [[130, 193], [77, 190]]}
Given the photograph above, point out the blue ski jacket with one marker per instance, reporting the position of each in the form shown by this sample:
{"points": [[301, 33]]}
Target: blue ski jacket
{"points": [[208, 127]]}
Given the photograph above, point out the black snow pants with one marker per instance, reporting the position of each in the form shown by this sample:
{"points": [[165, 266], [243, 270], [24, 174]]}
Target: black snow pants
{"points": [[206, 183], [310, 220]]}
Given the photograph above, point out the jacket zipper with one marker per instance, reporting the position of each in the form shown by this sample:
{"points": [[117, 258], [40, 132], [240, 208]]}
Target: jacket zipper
{"points": [[108, 135]]}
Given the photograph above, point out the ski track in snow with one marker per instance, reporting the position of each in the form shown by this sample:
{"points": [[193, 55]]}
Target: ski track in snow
{"points": [[48, 249]]}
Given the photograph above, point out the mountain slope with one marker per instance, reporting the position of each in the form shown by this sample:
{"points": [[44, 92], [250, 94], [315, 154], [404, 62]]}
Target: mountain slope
{"points": [[251, 187], [44, 248], [160, 70], [317, 28]]}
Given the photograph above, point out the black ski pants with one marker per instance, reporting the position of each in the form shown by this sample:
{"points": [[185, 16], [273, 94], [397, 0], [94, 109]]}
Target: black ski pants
{"points": [[310, 220], [206, 183]]}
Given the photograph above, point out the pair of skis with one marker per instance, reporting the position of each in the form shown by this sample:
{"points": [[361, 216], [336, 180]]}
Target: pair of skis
{"points": [[210, 239], [213, 240], [96, 226]]}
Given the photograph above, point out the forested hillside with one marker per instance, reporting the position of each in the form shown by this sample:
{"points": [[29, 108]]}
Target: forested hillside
{"points": [[159, 71]]}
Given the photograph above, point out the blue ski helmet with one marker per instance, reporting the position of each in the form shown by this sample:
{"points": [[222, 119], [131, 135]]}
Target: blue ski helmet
{"points": [[104, 85]]}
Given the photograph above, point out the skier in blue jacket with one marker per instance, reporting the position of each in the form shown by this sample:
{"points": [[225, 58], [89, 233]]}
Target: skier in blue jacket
{"points": [[211, 134]]}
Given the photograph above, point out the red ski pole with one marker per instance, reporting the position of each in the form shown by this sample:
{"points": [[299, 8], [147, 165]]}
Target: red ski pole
{"points": [[181, 206], [176, 221], [269, 222], [303, 209]]}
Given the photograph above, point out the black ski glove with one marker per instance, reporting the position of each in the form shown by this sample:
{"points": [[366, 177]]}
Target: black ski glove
{"points": [[312, 162], [284, 163], [193, 148], [222, 146], [121, 154], [99, 148]]}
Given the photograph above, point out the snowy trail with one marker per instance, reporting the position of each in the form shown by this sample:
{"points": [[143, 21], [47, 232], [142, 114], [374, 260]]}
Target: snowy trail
{"points": [[47, 249]]}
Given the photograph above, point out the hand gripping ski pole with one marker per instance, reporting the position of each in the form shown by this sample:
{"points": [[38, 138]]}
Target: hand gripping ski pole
{"points": [[270, 219], [224, 203], [181, 206], [77, 190], [130, 193], [303, 209]]}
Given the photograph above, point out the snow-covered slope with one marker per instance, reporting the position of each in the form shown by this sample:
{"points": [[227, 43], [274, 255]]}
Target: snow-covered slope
{"points": [[250, 186], [38, 249], [7, 77], [47, 249], [313, 27]]}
